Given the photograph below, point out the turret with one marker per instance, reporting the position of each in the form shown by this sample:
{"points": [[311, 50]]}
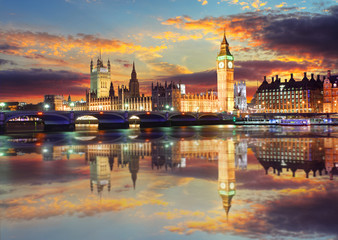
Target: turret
{"points": [[91, 65], [305, 78], [111, 90], [108, 64]]}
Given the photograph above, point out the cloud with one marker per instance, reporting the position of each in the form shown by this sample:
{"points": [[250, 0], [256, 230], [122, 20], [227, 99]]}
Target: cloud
{"points": [[4, 61], [45, 45], [298, 34], [255, 4], [26, 208], [124, 63], [177, 37], [168, 68], [312, 213], [204, 2], [38, 82]]}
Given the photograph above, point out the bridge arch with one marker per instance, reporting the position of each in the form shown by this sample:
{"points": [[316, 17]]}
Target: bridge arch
{"points": [[209, 117], [182, 117], [102, 117]]}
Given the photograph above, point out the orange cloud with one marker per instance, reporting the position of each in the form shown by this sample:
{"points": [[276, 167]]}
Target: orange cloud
{"points": [[27, 208], [55, 48], [179, 213], [176, 37], [168, 68], [204, 2]]}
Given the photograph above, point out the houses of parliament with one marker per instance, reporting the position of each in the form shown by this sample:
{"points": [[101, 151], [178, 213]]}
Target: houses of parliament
{"points": [[102, 95]]}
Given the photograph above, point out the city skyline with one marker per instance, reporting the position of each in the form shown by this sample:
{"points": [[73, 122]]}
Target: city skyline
{"points": [[50, 45]]}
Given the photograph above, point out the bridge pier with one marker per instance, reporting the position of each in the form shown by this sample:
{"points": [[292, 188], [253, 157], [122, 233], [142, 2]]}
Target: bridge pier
{"points": [[155, 124], [2, 123], [59, 127], [106, 126]]}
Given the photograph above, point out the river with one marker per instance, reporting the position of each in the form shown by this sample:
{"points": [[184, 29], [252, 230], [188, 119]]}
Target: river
{"points": [[203, 182]]}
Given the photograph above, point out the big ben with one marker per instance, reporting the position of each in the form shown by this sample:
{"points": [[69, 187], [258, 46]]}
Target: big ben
{"points": [[225, 77], [226, 173]]}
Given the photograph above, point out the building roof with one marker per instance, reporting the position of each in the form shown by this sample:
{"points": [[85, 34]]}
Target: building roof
{"points": [[305, 83]]}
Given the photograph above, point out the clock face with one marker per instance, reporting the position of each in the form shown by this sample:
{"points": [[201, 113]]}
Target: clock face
{"points": [[230, 65], [232, 186], [221, 65], [222, 185]]}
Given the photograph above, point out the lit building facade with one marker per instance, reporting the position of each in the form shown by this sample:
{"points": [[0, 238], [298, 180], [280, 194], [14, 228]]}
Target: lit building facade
{"points": [[167, 97], [225, 77], [54, 102], [173, 96], [304, 154], [330, 104], [240, 96], [226, 173], [305, 96], [102, 94]]}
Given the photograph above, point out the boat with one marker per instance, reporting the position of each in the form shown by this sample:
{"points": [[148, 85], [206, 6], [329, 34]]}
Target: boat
{"points": [[295, 122]]}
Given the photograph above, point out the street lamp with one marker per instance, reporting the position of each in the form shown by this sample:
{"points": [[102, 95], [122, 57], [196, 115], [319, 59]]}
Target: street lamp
{"points": [[172, 109], [46, 107], [72, 105], [126, 106], [2, 105], [167, 106], [141, 108], [100, 107]]}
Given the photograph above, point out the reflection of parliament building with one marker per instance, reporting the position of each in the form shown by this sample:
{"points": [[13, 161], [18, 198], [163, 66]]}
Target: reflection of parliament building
{"points": [[316, 155]]}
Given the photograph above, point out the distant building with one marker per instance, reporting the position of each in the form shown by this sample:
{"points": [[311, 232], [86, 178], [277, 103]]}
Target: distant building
{"points": [[305, 96], [102, 94], [240, 96], [54, 102], [330, 93], [167, 97]]}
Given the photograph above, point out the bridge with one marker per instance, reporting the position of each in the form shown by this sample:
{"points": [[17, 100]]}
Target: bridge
{"points": [[65, 120]]}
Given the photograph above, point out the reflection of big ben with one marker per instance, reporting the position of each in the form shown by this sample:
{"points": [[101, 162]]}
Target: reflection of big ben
{"points": [[100, 173], [225, 77], [226, 173]]}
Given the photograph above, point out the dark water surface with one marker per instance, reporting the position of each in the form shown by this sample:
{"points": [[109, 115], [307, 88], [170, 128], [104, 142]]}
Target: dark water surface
{"points": [[213, 182]]}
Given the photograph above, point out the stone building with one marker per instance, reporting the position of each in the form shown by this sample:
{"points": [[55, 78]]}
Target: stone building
{"points": [[101, 95], [240, 96], [290, 96], [172, 97], [330, 93]]}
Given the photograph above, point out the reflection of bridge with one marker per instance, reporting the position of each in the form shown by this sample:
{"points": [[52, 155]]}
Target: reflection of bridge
{"points": [[65, 120]]}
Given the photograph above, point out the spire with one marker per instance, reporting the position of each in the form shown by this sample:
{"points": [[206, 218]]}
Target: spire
{"points": [[224, 47], [225, 41], [133, 73], [111, 90]]}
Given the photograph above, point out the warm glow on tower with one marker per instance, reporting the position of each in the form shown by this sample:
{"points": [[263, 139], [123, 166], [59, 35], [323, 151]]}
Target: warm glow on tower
{"points": [[226, 173], [225, 77]]}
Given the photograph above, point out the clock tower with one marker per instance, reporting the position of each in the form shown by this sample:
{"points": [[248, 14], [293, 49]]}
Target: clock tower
{"points": [[225, 77], [226, 173]]}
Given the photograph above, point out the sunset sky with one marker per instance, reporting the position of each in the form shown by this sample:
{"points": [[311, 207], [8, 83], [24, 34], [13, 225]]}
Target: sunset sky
{"points": [[46, 46]]}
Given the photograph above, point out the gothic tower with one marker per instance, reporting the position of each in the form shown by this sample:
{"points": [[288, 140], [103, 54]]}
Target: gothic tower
{"points": [[225, 77], [226, 173], [134, 87], [100, 78]]}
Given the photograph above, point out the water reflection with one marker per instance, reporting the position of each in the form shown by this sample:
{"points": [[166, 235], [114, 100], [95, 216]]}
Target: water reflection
{"points": [[215, 170]]}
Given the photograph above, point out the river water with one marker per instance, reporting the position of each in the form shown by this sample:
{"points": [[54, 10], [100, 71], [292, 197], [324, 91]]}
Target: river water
{"points": [[211, 182]]}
